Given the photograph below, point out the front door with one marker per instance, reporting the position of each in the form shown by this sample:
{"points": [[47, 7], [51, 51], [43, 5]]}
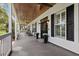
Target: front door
{"points": [[44, 26]]}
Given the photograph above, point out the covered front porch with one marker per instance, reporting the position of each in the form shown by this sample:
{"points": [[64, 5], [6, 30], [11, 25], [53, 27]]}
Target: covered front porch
{"points": [[26, 20], [30, 46]]}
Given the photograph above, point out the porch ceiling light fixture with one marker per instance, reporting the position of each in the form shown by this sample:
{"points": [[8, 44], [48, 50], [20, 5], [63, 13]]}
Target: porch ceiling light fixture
{"points": [[44, 21]]}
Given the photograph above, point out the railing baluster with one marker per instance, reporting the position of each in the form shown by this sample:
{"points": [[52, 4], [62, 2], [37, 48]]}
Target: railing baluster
{"points": [[2, 47], [5, 44]]}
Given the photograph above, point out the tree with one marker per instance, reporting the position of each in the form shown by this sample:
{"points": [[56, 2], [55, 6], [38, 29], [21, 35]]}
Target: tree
{"points": [[3, 20]]}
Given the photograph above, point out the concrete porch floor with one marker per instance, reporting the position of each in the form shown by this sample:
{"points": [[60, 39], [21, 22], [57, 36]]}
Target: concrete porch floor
{"points": [[30, 46]]}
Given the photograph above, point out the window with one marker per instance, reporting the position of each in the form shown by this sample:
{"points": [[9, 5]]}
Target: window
{"points": [[60, 24], [57, 27], [57, 18], [35, 27], [32, 27]]}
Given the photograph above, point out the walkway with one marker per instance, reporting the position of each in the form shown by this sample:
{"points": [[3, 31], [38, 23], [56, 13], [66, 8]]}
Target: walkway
{"points": [[29, 46]]}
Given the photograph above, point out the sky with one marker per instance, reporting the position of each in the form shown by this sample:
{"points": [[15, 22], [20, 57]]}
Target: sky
{"points": [[6, 7]]}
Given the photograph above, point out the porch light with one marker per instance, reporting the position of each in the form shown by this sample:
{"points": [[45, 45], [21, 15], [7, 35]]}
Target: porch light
{"points": [[47, 21], [44, 21]]}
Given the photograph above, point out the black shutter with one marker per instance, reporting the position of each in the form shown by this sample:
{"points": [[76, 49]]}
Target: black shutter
{"points": [[70, 22], [52, 25]]}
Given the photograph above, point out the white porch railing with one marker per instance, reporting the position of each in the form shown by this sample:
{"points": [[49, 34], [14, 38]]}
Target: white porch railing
{"points": [[5, 44]]}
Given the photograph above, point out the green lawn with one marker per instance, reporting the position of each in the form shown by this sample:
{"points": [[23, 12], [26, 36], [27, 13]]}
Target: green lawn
{"points": [[2, 32]]}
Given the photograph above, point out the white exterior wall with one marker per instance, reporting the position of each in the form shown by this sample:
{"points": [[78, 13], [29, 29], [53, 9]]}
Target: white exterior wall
{"points": [[70, 45]]}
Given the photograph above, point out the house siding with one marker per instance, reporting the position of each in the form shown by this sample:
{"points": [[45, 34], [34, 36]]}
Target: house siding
{"points": [[67, 44]]}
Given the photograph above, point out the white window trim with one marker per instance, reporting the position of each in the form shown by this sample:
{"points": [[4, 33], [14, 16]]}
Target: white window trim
{"points": [[64, 10]]}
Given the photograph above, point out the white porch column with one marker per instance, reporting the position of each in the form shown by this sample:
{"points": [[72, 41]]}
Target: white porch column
{"points": [[16, 29], [31, 28], [49, 25], [76, 23], [10, 21], [17, 26], [38, 28]]}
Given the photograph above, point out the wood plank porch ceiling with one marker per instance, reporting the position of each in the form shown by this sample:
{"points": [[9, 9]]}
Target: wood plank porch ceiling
{"points": [[27, 12]]}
